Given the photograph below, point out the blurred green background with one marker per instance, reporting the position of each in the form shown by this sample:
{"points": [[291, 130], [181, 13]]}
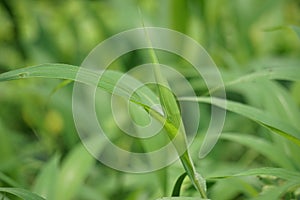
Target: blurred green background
{"points": [[39, 147]]}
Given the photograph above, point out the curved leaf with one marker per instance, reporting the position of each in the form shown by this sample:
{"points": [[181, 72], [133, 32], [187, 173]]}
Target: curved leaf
{"points": [[268, 171], [262, 146], [288, 73], [272, 123], [24, 194], [177, 186], [108, 81]]}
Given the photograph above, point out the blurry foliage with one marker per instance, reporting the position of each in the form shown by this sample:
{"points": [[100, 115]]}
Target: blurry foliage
{"points": [[39, 146]]}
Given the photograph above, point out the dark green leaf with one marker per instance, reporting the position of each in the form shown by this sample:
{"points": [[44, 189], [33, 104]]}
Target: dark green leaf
{"points": [[177, 186]]}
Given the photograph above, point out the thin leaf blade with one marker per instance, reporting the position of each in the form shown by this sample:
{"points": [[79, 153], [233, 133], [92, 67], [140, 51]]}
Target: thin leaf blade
{"points": [[274, 124], [24, 194]]}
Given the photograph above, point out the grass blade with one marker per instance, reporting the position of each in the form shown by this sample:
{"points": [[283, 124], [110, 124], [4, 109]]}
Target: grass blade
{"points": [[46, 180], [73, 172], [288, 73], [24, 194], [262, 146], [292, 179], [268, 171], [181, 198], [297, 30], [269, 121], [177, 186], [174, 124], [8, 180], [277, 192], [69, 72]]}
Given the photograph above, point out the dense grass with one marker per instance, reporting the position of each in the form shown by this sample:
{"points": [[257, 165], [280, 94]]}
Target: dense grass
{"points": [[256, 46]]}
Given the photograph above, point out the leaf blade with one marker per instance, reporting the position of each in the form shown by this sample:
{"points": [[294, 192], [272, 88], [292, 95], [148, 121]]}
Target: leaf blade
{"points": [[274, 124], [24, 194]]}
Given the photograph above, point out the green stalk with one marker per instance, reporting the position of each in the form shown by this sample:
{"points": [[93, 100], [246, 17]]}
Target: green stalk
{"points": [[173, 123], [197, 180]]}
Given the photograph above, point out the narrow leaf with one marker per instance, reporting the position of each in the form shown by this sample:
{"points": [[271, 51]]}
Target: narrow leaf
{"points": [[24, 194], [274, 124], [177, 186], [174, 124], [297, 30], [181, 198], [46, 180], [262, 146], [8, 180], [268, 171], [107, 82], [277, 192], [74, 170], [289, 73]]}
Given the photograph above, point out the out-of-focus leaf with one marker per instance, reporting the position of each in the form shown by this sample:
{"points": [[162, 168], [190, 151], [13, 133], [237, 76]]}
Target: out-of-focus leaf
{"points": [[274, 124], [277, 192], [297, 30], [24, 194], [181, 198], [75, 169], [268, 171], [46, 181], [289, 73], [8, 180], [292, 178], [262, 146]]}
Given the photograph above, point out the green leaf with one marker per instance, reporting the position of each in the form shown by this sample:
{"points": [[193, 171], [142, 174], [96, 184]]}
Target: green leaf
{"points": [[277, 192], [107, 82], [174, 125], [8, 180], [24, 194], [177, 186], [268, 171], [262, 146], [181, 198], [289, 73], [274, 124], [292, 179], [296, 29], [45, 182], [179, 15], [74, 171]]}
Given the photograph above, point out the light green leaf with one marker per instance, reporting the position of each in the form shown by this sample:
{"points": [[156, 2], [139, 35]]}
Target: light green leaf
{"points": [[268, 171], [74, 171], [174, 125], [262, 146], [181, 198], [274, 124], [297, 30], [277, 192], [24, 194], [289, 73], [63, 71], [292, 179], [46, 180]]}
